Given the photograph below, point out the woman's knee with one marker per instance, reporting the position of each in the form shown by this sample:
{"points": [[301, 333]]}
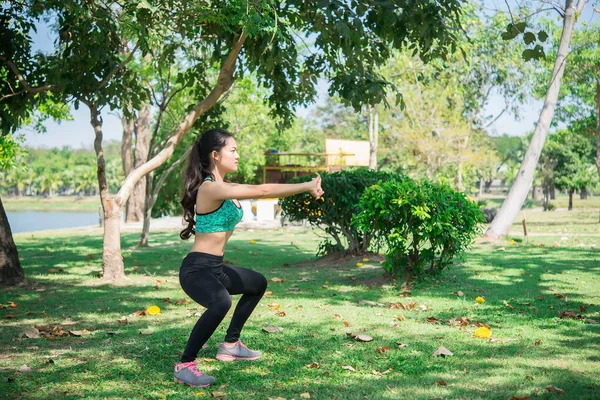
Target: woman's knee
{"points": [[221, 304], [261, 283]]}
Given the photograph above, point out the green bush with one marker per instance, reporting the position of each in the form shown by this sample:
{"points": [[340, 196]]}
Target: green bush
{"points": [[335, 211], [424, 225]]}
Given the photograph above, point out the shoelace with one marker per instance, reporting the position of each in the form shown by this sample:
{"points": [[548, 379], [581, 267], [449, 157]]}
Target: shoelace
{"points": [[191, 365]]}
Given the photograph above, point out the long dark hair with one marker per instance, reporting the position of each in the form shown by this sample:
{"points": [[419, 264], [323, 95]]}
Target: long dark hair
{"points": [[198, 169]]}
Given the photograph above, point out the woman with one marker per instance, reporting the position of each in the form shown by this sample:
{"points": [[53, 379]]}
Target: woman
{"points": [[212, 211]]}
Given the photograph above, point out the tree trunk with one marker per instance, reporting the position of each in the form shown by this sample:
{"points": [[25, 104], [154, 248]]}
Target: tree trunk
{"points": [[113, 268], [519, 189], [481, 183], [148, 205], [583, 193], [571, 191], [373, 136], [152, 195], [488, 185], [11, 272], [135, 204], [127, 148]]}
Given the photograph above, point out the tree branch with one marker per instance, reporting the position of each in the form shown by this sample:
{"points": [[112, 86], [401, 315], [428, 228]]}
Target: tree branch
{"points": [[224, 82], [22, 80], [120, 66]]}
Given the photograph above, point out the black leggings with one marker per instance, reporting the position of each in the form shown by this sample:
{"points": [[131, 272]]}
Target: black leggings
{"points": [[211, 283]]}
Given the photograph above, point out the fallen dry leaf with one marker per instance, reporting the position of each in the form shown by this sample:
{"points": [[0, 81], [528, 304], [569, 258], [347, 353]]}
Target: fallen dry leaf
{"points": [[383, 349], [146, 332], [218, 395], [123, 320], [348, 368], [281, 313], [433, 320], [441, 383], [519, 398], [337, 316], [507, 305], [538, 342], [153, 310], [12, 304], [182, 302], [24, 368], [305, 395], [442, 351], [360, 337], [274, 306], [275, 279], [138, 313], [272, 329], [400, 317], [313, 365], [79, 333], [401, 345], [459, 293], [347, 324], [554, 389], [31, 333], [482, 332]]}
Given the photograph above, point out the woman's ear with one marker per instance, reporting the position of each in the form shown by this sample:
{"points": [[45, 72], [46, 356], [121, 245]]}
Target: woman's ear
{"points": [[215, 156]]}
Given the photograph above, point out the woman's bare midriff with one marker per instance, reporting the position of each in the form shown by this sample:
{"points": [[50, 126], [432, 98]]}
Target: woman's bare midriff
{"points": [[211, 243]]}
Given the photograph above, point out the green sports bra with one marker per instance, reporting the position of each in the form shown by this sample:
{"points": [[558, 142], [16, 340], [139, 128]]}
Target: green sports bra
{"points": [[224, 218]]}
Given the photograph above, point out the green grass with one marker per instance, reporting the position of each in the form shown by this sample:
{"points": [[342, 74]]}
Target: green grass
{"points": [[115, 361], [56, 203]]}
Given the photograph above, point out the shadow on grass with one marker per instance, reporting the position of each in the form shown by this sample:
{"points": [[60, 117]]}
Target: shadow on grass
{"points": [[146, 361]]}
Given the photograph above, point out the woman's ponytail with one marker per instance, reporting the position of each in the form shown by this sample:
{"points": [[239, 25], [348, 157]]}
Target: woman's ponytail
{"points": [[199, 168]]}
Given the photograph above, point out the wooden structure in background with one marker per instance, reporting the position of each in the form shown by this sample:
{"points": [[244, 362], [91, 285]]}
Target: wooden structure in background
{"points": [[340, 154]]}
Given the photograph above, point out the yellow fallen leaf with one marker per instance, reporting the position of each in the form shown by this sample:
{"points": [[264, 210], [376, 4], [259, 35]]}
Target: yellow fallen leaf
{"points": [[365, 259], [480, 300], [153, 310], [482, 332], [252, 241], [359, 264]]}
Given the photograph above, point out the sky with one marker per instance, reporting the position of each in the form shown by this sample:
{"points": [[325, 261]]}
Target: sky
{"points": [[78, 133]]}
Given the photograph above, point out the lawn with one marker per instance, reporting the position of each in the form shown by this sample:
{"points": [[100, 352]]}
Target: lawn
{"points": [[318, 302]]}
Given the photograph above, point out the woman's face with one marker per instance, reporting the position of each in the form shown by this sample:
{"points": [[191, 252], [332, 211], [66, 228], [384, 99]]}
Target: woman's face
{"points": [[226, 160]]}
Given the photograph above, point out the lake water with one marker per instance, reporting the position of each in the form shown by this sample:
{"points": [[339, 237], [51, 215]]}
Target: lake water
{"points": [[30, 221]]}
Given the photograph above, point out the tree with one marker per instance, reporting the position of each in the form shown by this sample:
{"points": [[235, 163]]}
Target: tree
{"points": [[579, 96], [519, 189], [11, 271], [89, 67]]}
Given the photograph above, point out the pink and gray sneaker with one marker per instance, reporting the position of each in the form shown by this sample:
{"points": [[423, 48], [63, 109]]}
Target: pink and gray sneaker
{"points": [[189, 374], [237, 352]]}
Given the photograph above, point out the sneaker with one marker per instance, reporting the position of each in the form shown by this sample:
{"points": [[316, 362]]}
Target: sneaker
{"points": [[238, 352], [189, 374]]}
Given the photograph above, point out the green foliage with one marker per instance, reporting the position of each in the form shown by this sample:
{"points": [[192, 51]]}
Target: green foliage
{"points": [[424, 225], [335, 211], [58, 171]]}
